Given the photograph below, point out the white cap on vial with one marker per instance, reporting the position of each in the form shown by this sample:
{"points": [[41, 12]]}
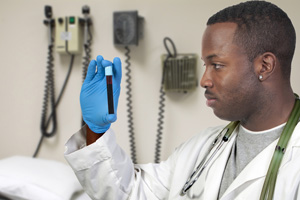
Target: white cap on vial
{"points": [[108, 71]]}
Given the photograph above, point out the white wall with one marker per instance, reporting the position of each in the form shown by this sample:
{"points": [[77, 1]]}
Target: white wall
{"points": [[23, 51]]}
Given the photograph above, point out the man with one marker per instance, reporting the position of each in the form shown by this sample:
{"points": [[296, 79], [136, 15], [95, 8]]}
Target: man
{"points": [[247, 50]]}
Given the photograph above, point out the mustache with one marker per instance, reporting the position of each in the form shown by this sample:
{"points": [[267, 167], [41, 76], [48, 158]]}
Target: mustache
{"points": [[209, 95], [207, 92]]}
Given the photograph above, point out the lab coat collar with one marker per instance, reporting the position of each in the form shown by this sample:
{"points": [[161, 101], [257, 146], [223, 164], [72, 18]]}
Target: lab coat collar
{"points": [[258, 167]]}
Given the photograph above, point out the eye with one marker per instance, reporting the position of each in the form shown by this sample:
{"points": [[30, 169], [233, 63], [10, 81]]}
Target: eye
{"points": [[218, 66]]}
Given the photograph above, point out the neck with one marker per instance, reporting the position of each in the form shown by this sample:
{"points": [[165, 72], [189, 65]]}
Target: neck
{"points": [[271, 113]]}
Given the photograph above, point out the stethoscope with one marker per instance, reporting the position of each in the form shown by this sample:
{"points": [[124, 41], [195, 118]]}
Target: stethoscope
{"points": [[270, 180], [226, 132]]}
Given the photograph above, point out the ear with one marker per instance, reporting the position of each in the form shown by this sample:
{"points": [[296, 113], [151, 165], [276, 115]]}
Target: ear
{"points": [[265, 65]]}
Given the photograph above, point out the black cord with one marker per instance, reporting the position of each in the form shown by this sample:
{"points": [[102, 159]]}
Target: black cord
{"points": [[174, 55], [129, 106], [160, 124], [162, 101], [49, 93], [86, 59]]}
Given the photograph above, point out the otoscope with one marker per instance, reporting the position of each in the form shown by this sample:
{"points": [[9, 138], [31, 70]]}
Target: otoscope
{"points": [[110, 98]]}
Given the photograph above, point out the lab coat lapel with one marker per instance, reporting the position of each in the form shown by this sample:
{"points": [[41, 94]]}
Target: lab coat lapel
{"points": [[258, 167], [207, 187], [216, 170]]}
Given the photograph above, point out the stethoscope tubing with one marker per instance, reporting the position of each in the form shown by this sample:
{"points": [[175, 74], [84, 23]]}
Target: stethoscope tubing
{"points": [[196, 174], [206, 160]]}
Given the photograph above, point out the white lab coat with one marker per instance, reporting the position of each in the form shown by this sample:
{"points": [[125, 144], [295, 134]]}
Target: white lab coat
{"points": [[106, 172]]}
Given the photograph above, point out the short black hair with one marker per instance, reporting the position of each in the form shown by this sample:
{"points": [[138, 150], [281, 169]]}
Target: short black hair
{"points": [[261, 27]]}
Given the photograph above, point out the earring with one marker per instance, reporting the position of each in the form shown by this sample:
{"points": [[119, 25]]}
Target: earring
{"points": [[260, 77]]}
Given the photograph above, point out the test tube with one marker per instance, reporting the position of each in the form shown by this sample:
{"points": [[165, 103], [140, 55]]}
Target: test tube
{"points": [[109, 88]]}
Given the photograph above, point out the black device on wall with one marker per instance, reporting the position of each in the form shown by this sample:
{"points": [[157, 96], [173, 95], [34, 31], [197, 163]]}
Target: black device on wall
{"points": [[126, 28]]}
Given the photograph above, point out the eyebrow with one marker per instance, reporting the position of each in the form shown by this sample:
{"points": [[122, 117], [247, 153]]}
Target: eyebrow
{"points": [[209, 57]]}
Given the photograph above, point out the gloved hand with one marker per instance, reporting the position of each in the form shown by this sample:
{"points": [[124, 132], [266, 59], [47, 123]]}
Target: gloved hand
{"points": [[93, 95]]}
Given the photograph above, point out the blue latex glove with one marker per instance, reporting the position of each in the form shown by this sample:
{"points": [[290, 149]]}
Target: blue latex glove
{"points": [[93, 95]]}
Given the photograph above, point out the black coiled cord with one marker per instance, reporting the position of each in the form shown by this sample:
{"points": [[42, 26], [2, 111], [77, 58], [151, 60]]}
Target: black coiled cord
{"points": [[162, 100], [50, 93], [160, 124], [129, 106], [86, 59]]}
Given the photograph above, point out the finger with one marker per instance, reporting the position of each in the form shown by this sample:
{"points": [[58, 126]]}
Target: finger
{"points": [[111, 118], [117, 69], [106, 63], [100, 69], [91, 72]]}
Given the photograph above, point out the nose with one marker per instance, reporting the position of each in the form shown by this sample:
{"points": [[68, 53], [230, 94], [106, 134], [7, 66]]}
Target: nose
{"points": [[206, 80]]}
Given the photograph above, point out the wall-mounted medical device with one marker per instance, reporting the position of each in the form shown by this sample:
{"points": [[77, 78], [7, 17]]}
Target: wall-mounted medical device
{"points": [[128, 27], [180, 73], [68, 35], [65, 35]]}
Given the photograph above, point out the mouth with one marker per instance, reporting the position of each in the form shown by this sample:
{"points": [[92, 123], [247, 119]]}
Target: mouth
{"points": [[211, 100]]}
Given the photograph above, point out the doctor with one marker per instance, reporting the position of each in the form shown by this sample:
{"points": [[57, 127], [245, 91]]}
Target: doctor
{"points": [[247, 50]]}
